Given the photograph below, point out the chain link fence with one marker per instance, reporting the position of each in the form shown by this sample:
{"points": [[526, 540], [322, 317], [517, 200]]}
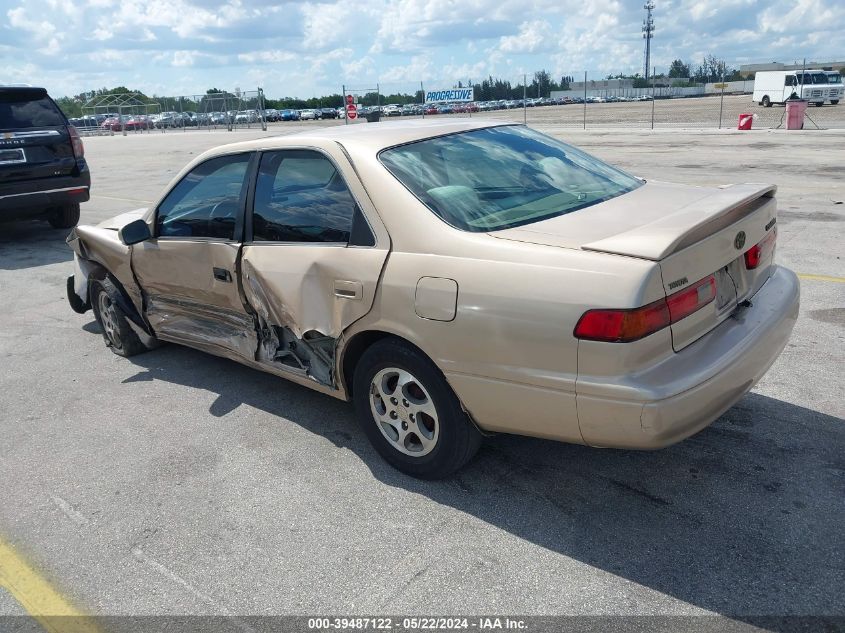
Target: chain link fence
{"points": [[132, 113], [583, 99]]}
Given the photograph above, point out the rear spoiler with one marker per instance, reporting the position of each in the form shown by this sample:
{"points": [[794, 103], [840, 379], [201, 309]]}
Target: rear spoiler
{"points": [[690, 224]]}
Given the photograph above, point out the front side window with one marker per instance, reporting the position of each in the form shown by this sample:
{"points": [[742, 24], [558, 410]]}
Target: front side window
{"points": [[502, 177], [301, 197], [206, 202]]}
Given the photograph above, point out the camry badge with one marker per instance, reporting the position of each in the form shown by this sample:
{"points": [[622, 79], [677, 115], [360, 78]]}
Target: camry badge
{"points": [[739, 240]]}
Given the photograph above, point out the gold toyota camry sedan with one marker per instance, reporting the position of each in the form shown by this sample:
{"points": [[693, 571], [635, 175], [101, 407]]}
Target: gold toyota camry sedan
{"points": [[454, 279]]}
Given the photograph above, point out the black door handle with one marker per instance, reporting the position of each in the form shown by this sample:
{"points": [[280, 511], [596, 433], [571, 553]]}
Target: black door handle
{"points": [[222, 274]]}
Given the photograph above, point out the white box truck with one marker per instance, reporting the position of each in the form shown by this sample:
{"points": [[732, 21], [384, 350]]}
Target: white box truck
{"points": [[776, 86], [835, 86]]}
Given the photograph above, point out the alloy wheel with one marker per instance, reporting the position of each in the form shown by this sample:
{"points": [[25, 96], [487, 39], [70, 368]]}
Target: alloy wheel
{"points": [[404, 412]]}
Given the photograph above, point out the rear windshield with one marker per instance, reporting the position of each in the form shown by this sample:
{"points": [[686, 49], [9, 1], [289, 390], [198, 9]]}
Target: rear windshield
{"points": [[27, 109], [502, 177]]}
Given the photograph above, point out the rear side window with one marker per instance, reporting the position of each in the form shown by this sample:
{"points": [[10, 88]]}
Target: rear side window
{"points": [[28, 109], [301, 197], [501, 177]]}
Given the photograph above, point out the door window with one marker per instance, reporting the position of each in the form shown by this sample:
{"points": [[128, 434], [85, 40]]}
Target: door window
{"points": [[301, 197], [206, 202]]}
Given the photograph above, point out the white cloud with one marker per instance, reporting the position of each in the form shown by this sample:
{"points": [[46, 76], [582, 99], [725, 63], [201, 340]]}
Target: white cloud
{"points": [[533, 36]]}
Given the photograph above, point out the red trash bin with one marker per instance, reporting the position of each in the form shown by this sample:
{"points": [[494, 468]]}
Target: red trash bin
{"points": [[795, 109], [745, 121]]}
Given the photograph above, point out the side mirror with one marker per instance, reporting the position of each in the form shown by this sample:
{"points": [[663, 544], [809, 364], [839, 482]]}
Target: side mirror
{"points": [[134, 232]]}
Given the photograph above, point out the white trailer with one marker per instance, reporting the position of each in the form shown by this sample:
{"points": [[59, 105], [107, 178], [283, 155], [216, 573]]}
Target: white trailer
{"points": [[776, 86]]}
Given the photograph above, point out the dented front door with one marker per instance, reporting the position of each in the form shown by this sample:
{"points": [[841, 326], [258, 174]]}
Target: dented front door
{"points": [[189, 271], [312, 259]]}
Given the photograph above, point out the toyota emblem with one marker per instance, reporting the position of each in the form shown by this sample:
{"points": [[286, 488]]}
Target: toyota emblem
{"points": [[739, 240]]}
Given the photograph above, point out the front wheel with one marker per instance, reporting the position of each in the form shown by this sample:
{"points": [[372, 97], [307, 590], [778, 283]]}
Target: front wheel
{"points": [[64, 217], [766, 103], [117, 333], [410, 413]]}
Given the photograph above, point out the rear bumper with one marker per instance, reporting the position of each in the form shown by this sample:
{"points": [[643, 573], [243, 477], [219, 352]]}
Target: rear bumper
{"points": [[35, 197], [706, 378]]}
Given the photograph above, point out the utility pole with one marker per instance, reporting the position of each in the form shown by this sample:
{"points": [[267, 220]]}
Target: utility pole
{"points": [[648, 33]]}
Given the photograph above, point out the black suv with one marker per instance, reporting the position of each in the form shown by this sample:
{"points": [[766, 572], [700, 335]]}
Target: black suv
{"points": [[43, 172]]}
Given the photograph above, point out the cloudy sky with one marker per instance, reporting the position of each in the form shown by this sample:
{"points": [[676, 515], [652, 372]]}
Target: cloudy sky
{"points": [[311, 48]]}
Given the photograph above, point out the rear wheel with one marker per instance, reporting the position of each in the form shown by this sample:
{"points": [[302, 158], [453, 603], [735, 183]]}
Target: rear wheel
{"points": [[834, 101], [410, 413], [117, 333], [766, 102], [64, 217]]}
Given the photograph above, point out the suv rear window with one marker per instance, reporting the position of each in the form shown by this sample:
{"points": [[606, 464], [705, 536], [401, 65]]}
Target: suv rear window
{"points": [[28, 109]]}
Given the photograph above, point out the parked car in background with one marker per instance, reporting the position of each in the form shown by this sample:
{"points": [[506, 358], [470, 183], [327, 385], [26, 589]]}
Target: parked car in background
{"points": [[308, 115], [168, 120], [89, 120], [116, 123], [290, 115], [392, 109], [43, 172], [137, 122], [328, 113]]}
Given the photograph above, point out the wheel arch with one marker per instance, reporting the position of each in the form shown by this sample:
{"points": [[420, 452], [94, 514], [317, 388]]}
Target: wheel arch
{"points": [[98, 273], [359, 343]]}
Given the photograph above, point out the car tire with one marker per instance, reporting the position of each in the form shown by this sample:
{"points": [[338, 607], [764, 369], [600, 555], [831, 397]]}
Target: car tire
{"points": [[117, 333], [64, 217], [834, 101], [766, 102], [409, 412]]}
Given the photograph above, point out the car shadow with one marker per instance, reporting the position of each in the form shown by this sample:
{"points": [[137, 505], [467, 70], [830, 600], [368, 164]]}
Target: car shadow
{"points": [[32, 243], [744, 519]]}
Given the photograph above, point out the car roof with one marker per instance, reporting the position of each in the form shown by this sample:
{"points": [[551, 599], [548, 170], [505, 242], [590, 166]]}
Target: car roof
{"points": [[375, 137]]}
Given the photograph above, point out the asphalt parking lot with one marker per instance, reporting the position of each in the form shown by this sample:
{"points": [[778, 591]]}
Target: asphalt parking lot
{"points": [[179, 483]]}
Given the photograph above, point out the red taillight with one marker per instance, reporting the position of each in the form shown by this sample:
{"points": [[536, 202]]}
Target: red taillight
{"points": [[624, 326], [761, 250], [684, 302], [76, 142]]}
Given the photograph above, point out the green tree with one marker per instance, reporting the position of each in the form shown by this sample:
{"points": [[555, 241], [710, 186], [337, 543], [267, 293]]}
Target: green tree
{"points": [[679, 69]]}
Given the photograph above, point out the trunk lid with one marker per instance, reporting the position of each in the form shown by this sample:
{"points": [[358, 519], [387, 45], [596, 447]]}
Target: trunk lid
{"points": [[691, 232]]}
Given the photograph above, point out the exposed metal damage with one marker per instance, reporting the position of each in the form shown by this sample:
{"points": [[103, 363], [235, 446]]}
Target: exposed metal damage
{"points": [[312, 355]]}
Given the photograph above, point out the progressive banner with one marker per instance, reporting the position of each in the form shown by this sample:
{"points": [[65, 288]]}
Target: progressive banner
{"points": [[451, 94]]}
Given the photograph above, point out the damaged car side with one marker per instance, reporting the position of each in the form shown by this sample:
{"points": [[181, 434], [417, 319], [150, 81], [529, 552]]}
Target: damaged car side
{"points": [[454, 279]]}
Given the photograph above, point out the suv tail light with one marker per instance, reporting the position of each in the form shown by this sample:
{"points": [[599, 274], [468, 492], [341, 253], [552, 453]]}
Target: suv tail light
{"points": [[761, 250], [76, 142], [624, 326]]}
